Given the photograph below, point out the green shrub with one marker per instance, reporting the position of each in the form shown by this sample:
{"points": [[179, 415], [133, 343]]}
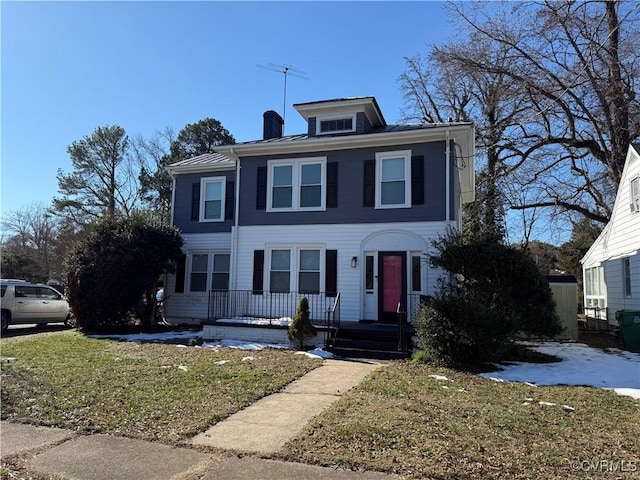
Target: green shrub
{"points": [[456, 331], [115, 266], [301, 327]]}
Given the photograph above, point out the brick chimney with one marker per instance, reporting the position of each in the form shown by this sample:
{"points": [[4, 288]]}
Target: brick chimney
{"points": [[272, 125]]}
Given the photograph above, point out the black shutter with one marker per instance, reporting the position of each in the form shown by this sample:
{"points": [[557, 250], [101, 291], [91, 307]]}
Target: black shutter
{"points": [[258, 272], [181, 266], [331, 273], [417, 180], [261, 189], [229, 201], [332, 185], [195, 201], [369, 193]]}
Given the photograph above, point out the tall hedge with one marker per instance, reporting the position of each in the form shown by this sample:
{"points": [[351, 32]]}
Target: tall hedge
{"points": [[117, 264]]}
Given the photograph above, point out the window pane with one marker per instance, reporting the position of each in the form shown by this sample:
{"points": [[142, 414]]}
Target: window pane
{"points": [[220, 281], [309, 282], [212, 209], [282, 176], [311, 174], [213, 191], [310, 260], [311, 196], [416, 277], [198, 282], [279, 282], [393, 169], [281, 197], [221, 262], [368, 282], [392, 193], [280, 259], [199, 262]]}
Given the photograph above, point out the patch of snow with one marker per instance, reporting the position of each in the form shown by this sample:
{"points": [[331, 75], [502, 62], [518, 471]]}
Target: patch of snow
{"points": [[241, 345], [547, 404], [580, 364], [528, 399], [462, 390], [568, 408], [439, 377], [183, 368], [495, 379], [316, 353], [153, 337], [282, 321], [445, 387], [247, 359], [221, 362]]}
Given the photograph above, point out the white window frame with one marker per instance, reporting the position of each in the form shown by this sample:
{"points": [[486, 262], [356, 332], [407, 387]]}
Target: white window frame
{"points": [[294, 266], [594, 287], [203, 185], [635, 196], [380, 158], [626, 277], [210, 259], [296, 183], [328, 118]]}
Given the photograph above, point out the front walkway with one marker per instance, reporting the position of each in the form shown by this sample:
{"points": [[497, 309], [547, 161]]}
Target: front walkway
{"points": [[268, 424], [261, 428]]}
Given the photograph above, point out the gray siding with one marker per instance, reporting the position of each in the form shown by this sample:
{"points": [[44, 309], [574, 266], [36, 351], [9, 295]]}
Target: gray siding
{"points": [[350, 190], [183, 200]]}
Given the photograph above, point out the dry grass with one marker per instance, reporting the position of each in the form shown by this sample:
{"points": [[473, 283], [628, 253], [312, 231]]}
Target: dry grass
{"points": [[147, 391], [401, 420]]}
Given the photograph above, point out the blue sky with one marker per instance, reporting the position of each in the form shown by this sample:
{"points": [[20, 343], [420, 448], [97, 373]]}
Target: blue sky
{"points": [[69, 67]]}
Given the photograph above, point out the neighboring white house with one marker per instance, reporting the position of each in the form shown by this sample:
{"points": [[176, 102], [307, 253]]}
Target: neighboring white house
{"points": [[611, 267]]}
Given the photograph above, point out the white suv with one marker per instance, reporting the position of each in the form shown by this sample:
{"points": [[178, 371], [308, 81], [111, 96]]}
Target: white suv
{"points": [[24, 302]]}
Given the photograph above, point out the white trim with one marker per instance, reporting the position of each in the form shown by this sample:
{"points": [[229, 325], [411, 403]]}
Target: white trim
{"points": [[325, 118], [203, 188], [380, 158], [296, 179], [635, 199], [211, 254]]}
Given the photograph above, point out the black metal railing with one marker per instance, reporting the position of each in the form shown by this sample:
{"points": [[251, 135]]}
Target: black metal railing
{"points": [[270, 305]]}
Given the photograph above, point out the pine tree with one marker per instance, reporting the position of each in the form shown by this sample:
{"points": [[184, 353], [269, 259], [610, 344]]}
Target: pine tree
{"points": [[301, 327]]}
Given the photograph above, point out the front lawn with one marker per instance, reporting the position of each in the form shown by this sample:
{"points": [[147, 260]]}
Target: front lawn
{"points": [[406, 419], [148, 391]]}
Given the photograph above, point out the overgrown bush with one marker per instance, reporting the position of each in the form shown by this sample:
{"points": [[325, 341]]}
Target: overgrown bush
{"points": [[301, 327], [497, 293], [461, 332], [115, 267]]}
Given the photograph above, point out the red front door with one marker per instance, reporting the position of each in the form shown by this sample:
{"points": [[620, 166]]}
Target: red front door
{"points": [[392, 285]]}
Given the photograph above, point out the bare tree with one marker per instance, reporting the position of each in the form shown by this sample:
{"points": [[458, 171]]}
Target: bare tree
{"points": [[31, 237]]}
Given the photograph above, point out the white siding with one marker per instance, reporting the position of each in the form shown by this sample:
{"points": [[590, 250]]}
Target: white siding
{"points": [[619, 239], [350, 241], [191, 307]]}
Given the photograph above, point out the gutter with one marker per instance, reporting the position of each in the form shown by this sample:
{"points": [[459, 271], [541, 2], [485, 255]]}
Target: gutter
{"points": [[236, 221]]}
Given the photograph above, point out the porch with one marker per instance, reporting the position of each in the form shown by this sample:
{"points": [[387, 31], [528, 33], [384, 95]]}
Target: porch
{"points": [[265, 316]]}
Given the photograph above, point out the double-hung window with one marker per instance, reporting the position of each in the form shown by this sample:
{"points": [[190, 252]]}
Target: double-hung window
{"points": [[309, 271], [212, 195], [635, 195], [295, 269], [209, 271], [393, 174], [297, 184]]}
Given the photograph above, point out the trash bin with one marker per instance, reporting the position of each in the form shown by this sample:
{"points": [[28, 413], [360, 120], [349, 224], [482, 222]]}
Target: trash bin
{"points": [[629, 321]]}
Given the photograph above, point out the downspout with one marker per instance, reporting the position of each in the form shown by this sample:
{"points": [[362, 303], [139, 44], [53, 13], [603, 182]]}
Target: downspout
{"points": [[447, 216], [236, 220]]}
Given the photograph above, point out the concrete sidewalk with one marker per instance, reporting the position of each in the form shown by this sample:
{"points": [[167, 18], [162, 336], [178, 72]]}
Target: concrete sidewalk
{"points": [[268, 424], [261, 428]]}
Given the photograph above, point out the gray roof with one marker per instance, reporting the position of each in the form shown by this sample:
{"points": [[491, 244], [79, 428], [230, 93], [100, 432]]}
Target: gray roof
{"points": [[204, 159], [384, 129]]}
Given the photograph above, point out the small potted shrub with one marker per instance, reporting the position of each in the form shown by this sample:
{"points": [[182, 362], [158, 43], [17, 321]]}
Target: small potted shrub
{"points": [[301, 327]]}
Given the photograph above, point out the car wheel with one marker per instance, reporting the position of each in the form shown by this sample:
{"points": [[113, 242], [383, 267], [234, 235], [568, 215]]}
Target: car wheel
{"points": [[71, 322], [6, 319]]}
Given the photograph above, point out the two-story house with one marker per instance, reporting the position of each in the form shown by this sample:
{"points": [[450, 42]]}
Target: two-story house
{"points": [[343, 214], [611, 267]]}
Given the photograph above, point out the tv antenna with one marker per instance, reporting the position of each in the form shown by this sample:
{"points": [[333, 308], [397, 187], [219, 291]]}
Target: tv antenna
{"points": [[286, 70]]}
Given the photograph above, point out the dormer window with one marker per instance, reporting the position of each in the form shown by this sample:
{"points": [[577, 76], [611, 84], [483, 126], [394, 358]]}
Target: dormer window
{"points": [[342, 124]]}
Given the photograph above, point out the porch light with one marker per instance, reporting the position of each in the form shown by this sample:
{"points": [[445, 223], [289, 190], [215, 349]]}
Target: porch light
{"points": [[354, 262]]}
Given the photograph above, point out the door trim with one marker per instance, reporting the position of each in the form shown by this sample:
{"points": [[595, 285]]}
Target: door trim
{"points": [[391, 317]]}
